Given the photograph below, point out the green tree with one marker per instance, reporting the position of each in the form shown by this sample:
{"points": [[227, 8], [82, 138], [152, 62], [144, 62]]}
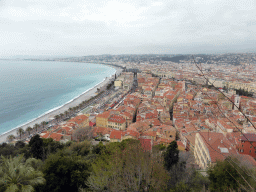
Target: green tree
{"points": [[127, 167], [57, 117], [36, 126], [50, 146], [29, 129], [43, 124], [36, 144], [10, 138], [19, 144], [231, 175], [15, 175], [20, 131], [171, 156], [66, 114], [98, 149], [65, 172]]}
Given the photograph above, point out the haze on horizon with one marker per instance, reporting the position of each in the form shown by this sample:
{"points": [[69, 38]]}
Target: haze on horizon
{"points": [[78, 27]]}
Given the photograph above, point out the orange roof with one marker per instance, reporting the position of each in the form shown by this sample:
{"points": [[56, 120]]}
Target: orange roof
{"points": [[116, 134], [105, 115], [79, 119], [56, 136], [117, 119], [101, 130]]}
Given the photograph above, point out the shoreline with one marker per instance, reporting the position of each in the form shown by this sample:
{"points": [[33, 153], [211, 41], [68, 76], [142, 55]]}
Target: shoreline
{"points": [[47, 116]]}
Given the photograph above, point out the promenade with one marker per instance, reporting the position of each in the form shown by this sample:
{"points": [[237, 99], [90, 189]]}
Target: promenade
{"points": [[50, 116]]}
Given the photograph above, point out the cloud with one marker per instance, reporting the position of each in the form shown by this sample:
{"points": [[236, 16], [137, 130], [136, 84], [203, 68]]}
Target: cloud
{"points": [[96, 27]]}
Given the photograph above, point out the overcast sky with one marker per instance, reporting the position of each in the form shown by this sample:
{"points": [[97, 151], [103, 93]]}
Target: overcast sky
{"points": [[93, 27]]}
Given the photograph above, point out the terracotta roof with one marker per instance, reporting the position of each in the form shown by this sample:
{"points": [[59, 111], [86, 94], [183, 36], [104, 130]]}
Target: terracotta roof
{"points": [[105, 114], [219, 147], [116, 134], [79, 119], [92, 124], [249, 136], [56, 136], [101, 130], [117, 119]]}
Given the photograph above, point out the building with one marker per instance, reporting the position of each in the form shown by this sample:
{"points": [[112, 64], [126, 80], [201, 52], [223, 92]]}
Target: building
{"points": [[246, 147], [102, 119], [117, 122], [210, 147]]}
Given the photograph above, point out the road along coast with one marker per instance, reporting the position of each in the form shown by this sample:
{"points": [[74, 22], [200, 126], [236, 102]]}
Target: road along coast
{"points": [[52, 113]]}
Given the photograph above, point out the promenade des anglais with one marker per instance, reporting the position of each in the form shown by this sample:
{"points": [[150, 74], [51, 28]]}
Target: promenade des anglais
{"points": [[194, 106], [127, 96]]}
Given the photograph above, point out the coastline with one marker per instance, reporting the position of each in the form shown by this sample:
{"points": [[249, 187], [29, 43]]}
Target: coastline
{"points": [[61, 109]]}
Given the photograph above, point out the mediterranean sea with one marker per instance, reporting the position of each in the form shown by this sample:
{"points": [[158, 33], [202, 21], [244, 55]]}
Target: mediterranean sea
{"points": [[29, 89]]}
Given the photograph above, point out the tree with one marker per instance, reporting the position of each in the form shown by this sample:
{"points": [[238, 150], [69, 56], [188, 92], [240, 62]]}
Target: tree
{"points": [[19, 144], [50, 146], [230, 174], [65, 172], [10, 138], [36, 126], [43, 123], [57, 117], [20, 131], [171, 156], [36, 144], [29, 129], [126, 166], [66, 114], [15, 175], [82, 133]]}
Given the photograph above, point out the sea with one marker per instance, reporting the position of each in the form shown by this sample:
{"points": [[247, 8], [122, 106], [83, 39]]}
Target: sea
{"points": [[29, 89]]}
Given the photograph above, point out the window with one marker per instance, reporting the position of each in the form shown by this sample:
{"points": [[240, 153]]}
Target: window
{"points": [[250, 151], [242, 141], [242, 145], [242, 150], [250, 146]]}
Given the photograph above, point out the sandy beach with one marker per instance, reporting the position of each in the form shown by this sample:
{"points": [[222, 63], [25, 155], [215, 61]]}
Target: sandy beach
{"points": [[87, 95]]}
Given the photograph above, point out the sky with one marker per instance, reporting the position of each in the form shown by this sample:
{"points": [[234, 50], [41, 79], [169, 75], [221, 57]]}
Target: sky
{"points": [[82, 27]]}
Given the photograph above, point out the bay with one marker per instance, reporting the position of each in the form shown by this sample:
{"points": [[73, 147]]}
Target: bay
{"points": [[29, 89]]}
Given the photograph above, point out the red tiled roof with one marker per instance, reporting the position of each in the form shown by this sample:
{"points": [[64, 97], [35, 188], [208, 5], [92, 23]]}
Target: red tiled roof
{"points": [[117, 119], [249, 136], [92, 124], [79, 119], [56, 136], [116, 134], [101, 130], [105, 114]]}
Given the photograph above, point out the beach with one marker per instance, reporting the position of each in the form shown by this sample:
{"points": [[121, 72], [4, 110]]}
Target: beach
{"points": [[76, 101]]}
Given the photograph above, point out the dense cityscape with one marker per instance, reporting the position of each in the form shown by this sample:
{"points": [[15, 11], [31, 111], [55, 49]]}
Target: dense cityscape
{"points": [[202, 107]]}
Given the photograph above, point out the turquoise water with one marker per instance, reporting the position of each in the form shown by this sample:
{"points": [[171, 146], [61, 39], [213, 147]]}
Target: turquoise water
{"points": [[28, 89]]}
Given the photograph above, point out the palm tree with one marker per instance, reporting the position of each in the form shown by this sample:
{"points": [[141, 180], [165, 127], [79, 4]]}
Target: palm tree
{"points": [[61, 115], [36, 126], [18, 176], [43, 123], [66, 114], [10, 138], [57, 117], [20, 131], [29, 129], [70, 110]]}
